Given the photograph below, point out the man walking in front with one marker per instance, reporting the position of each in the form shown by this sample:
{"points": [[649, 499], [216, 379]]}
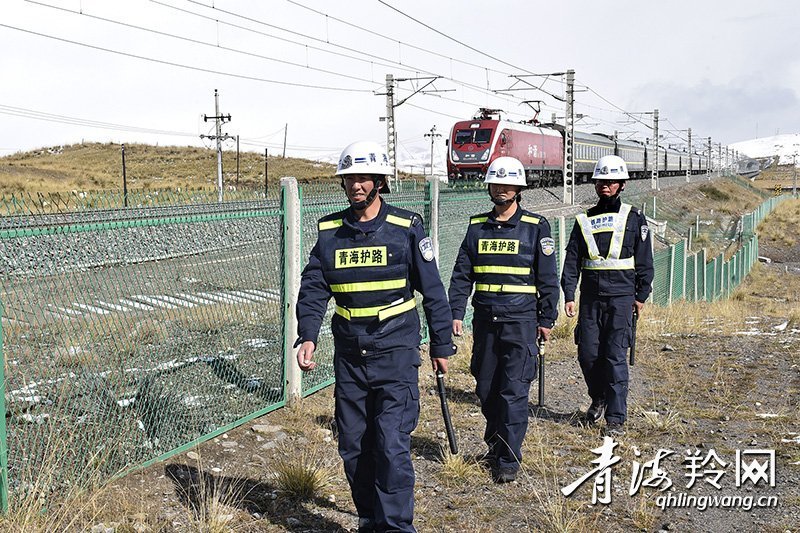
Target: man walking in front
{"points": [[370, 258]]}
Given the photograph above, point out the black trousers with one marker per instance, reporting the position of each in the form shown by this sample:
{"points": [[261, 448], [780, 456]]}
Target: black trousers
{"points": [[504, 363], [603, 336]]}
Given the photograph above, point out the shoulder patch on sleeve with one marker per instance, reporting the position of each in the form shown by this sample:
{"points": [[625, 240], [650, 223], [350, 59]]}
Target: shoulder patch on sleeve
{"points": [[426, 249], [548, 245], [644, 230]]}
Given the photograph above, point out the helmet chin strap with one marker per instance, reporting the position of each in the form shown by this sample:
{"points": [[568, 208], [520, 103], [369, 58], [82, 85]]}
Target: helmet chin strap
{"points": [[497, 201], [363, 204]]}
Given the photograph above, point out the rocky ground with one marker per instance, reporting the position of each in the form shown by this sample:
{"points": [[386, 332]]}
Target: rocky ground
{"points": [[710, 380]]}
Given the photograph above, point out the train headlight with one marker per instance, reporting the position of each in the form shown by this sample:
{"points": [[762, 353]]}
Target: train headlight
{"points": [[455, 156], [485, 155]]}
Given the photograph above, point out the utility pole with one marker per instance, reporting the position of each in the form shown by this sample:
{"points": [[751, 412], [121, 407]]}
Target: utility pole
{"points": [[569, 140], [719, 157], [220, 120], [391, 133], [285, 130], [433, 136], [391, 130], [689, 170], [266, 169], [654, 176], [708, 163], [237, 160]]}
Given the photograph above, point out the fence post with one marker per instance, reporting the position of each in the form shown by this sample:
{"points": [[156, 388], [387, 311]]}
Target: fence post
{"points": [[433, 183], [292, 233], [3, 435]]}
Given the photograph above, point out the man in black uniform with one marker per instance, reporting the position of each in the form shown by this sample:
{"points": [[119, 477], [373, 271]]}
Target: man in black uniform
{"points": [[508, 254], [371, 258], [609, 249]]}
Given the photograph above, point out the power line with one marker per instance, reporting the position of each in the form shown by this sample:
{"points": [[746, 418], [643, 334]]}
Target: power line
{"points": [[290, 41], [64, 119], [383, 36], [451, 38], [328, 42], [197, 41], [183, 66]]}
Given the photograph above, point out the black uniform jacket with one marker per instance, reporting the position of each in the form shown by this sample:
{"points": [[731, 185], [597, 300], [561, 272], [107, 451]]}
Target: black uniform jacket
{"points": [[372, 271], [512, 265], [636, 244]]}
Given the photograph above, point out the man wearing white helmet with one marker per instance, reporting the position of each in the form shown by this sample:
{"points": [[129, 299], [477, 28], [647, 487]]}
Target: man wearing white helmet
{"points": [[370, 258], [508, 255], [609, 250]]}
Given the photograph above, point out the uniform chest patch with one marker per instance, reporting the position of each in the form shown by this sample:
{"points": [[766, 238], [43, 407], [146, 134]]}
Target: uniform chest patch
{"points": [[361, 257], [426, 249], [644, 231], [498, 246], [548, 246]]}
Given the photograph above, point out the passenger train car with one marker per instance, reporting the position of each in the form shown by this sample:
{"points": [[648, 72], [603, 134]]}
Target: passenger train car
{"points": [[474, 144]]}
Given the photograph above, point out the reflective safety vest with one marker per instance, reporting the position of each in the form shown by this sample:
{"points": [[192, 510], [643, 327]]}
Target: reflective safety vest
{"points": [[505, 265], [369, 279], [614, 222]]}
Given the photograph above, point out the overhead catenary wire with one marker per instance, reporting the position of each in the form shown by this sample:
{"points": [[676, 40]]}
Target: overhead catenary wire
{"points": [[197, 41], [184, 66], [401, 66]]}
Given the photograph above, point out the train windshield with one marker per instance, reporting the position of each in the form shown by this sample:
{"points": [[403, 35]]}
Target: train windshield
{"points": [[476, 136]]}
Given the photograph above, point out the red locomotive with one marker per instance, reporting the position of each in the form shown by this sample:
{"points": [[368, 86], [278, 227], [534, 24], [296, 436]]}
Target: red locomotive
{"points": [[473, 144]]}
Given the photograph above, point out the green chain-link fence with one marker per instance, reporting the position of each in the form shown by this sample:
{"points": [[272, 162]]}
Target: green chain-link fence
{"points": [[131, 334]]}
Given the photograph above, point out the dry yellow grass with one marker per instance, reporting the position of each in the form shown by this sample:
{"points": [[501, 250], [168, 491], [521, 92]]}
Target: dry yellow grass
{"points": [[94, 166]]}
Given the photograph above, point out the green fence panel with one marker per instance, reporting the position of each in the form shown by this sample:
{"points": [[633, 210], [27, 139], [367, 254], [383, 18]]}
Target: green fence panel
{"points": [[678, 276], [691, 282], [130, 333], [661, 263]]}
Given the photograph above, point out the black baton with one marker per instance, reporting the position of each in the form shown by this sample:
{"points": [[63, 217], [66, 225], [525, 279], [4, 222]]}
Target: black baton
{"points": [[633, 337], [540, 342], [448, 424]]}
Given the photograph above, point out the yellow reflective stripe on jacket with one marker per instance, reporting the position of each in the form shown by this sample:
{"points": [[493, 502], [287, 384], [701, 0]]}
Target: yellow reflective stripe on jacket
{"points": [[398, 221], [381, 311], [478, 220], [487, 287], [529, 219], [496, 269], [369, 286], [330, 224]]}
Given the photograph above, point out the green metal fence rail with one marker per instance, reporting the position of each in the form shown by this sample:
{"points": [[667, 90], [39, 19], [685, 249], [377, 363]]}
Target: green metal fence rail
{"points": [[131, 334]]}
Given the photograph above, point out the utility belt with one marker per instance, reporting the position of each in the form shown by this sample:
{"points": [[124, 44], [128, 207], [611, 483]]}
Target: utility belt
{"points": [[382, 312]]}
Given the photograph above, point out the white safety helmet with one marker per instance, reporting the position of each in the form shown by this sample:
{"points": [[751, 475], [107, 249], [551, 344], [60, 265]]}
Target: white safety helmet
{"points": [[365, 157], [506, 171], [610, 167]]}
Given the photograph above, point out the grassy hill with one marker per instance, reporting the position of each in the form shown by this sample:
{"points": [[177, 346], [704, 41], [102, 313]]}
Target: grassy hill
{"points": [[93, 166]]}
